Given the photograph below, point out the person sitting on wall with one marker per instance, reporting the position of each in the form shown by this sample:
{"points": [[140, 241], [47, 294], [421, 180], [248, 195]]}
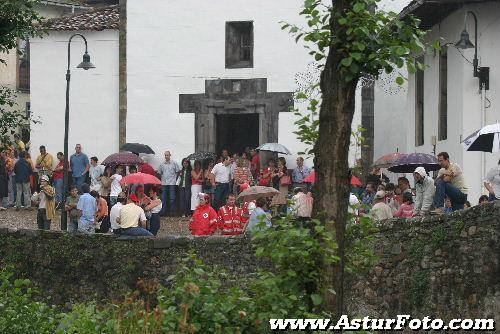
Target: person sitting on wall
{"points": [[230, 217], [204, 219], [380, 210], [132, 219], [450, 183], [424, 192]]}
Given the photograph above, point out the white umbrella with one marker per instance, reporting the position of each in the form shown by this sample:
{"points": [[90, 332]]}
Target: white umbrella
{"points": [[486, 139], [274, 147]]}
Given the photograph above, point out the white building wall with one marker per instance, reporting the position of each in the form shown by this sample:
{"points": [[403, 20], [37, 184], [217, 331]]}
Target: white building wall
{"points": [[173, 46], [466, 112], [93, 120]]}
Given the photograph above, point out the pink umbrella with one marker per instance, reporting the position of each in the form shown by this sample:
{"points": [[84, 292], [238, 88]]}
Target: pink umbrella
{"points": [[140, 178]]}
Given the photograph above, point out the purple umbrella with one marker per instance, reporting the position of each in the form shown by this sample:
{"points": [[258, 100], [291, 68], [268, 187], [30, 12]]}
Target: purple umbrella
{"points": [[408, 163], [123, 158]]}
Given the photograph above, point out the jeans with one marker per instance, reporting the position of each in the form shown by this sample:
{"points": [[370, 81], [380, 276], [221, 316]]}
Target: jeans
{"points": [[12, 190], [185, 200], [221, 193], [41, 220], [58, 185], [135, 232], [446, 189], [492, 198], [168, 199], [78, 181], [86, 227], [23, 189], [154, 223], [73, 225]]}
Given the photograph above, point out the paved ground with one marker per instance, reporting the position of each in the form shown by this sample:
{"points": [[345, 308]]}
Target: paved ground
{"points": [[27, 219]]}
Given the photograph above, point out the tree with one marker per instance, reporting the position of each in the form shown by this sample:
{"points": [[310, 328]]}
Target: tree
{"points": [[354, 39]]}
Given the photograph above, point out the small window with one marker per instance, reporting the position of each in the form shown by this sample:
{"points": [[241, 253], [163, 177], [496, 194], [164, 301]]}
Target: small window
{"points": [[443, 94], [239, 44], [419, 105], [23, 71]]}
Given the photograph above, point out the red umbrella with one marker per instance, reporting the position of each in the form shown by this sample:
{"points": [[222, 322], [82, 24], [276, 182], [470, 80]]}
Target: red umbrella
{"points": [[123, 158], [311, 178], [140, 178]]}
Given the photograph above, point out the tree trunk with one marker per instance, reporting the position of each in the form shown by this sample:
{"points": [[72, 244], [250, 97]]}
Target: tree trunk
{"points": [[331, 164]]}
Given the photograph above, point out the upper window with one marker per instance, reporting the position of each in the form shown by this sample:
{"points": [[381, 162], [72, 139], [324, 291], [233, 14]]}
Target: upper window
{"points": [[23, 65], [419, 105], [239, 44], [443, 94]]}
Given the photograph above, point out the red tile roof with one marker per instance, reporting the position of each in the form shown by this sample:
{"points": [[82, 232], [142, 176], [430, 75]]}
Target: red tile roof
{"points": [[95, 19]]}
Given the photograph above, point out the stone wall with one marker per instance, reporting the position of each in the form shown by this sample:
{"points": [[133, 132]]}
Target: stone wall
{"points": [[442, 266], [71, 268]]}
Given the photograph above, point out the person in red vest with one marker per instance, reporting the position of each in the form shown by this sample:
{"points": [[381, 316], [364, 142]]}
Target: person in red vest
{"points": [[204, 219], [230, 217], [247, 207]]}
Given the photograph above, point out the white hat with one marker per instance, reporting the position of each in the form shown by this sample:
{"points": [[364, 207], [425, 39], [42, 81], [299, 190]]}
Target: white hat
{"points": [[420, 170], [380, 194], [44, 178]]}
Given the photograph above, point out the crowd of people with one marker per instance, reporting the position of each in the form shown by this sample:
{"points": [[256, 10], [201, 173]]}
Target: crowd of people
{"points": [[205, 190], [444, 194]]}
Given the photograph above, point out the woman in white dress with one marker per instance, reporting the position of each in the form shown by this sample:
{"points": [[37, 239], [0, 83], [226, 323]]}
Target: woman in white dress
{"points": [[196, 184]]}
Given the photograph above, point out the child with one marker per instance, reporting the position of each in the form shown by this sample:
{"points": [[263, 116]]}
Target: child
{"points": [[483, 199], [71, 202], [406, 209], [447, 206]]}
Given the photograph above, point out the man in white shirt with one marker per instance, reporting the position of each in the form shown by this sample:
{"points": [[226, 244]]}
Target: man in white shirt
{"points": [[380, 210], [95, 173], [116, 187], [114, 213], [131, 218], [169, 171], [221, 175]]}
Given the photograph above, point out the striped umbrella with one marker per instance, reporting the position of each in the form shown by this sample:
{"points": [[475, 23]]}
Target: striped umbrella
{"points": [[486, 139], [408, 163], [387, 160]]}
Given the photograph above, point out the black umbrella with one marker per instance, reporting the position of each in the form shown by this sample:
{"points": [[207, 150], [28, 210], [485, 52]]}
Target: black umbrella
{"points": [[408, 163], [486, 139], [202, 156], [137, 148]]}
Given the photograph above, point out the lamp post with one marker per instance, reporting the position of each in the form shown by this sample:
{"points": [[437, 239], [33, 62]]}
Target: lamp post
{"points": [[85, 64], [483, 73]]}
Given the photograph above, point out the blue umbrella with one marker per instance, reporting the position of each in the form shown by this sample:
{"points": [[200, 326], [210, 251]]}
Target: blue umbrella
{"points": [[408, 163]]}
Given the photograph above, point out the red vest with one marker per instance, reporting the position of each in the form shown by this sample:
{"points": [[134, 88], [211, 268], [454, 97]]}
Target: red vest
{"points": [[204, 220], [230, 220]]}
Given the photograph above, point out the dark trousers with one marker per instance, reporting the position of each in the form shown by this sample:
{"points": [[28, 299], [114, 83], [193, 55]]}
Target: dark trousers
{"points": [[41, 220], [154, 223], [185, 200], [221, 193], [446, 189], [105, 225], [168, 200]]}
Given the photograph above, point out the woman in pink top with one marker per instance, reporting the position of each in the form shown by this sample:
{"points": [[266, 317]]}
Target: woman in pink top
{"points": [[406, 209]]}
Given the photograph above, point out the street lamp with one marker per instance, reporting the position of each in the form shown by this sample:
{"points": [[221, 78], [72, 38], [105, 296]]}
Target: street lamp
{"points": [[483, 73], [85, 64]]}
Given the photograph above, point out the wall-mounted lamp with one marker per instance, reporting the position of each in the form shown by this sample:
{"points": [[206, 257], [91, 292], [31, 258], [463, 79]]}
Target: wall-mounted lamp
{"points": [[483, 73]]}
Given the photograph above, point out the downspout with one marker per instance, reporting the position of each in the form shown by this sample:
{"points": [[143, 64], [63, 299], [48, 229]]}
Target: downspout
{"points": [[122, 55]]}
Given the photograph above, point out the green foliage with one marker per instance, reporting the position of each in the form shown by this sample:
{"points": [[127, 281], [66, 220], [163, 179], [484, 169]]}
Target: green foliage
{"points": [[360, 255], [438, 237], [457, 226], [417, 251], [19, 312], [419, 287], [18, 19], [10, 117]]}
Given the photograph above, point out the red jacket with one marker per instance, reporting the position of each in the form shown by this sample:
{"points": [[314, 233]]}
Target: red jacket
{"points": [[245, 214], [230, 220], [204, 220]]}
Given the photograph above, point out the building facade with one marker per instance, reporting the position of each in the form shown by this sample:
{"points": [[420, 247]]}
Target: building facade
{"points": [[444, 103]]}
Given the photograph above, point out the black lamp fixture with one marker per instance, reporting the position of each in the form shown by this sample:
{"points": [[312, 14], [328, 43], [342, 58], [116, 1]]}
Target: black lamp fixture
{"points": [[86, 65], [483, 73]]}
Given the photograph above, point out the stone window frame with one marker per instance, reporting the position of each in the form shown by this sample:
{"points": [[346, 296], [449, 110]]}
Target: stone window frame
{"points": [[419, 104], [231, 60]]}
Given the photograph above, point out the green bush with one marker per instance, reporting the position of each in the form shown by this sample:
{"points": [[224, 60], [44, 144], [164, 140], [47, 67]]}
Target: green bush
{"points": [[19, 312]]}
